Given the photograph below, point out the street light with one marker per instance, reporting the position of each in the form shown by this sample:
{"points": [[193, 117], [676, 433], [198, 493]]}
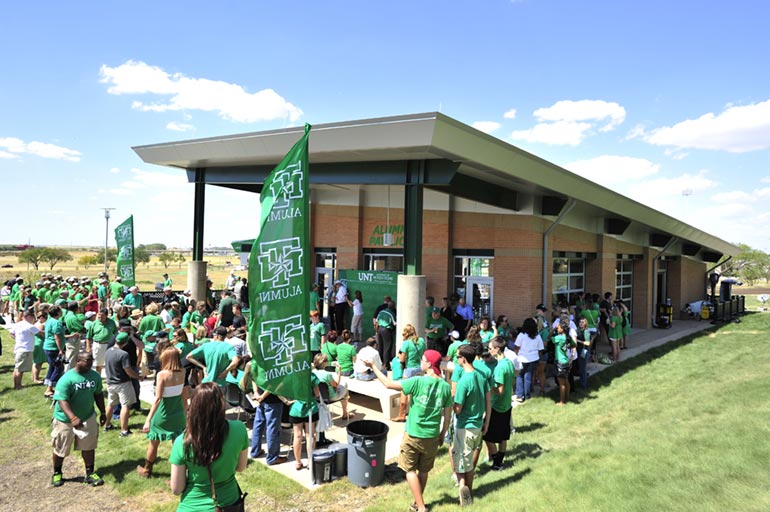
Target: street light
{"points": [[106, 233]]}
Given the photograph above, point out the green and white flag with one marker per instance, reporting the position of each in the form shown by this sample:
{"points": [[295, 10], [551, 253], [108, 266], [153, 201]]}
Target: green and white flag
{"points": [[279, 279], [124, 238]]}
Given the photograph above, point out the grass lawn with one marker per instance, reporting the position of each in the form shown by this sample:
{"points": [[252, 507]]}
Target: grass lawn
{"points": [[681, 427]]}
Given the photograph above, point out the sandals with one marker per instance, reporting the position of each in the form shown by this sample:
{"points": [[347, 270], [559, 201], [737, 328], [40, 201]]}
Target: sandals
{"points": [[299, 466]]}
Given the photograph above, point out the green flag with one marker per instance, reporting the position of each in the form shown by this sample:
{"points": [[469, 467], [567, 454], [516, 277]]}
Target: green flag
{"points": [[279, 280], [124, 238]]}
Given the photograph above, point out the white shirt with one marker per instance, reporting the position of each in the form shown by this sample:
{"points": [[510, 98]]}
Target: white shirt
{"points": [[165, 316], [24, 334], [358, 308], [367, 354], [341, 294], [529, 347]]}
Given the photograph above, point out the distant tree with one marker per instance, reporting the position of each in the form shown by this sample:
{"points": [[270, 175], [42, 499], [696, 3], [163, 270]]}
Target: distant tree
{"points": [[88, 260], [155, 247], [33, 256], [55, 256], [141, 255], [167, 258], [180, 259], [112, 255], [750, 265]]}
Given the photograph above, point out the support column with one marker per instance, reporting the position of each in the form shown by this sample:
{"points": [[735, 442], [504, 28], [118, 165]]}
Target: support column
{"points": [[413, 206], [196, 279], [198, 210], [410, 305]]}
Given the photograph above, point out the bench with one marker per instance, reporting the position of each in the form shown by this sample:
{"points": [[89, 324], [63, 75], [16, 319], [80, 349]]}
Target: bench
{"points": [[388, 398]]}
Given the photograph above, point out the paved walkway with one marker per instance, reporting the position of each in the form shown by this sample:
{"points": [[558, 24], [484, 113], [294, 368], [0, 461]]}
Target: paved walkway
{"points": [[640, 341]]}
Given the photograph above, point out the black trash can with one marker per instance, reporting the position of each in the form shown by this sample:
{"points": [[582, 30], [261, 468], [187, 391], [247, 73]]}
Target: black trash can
{"points": [[340, 451], [366, 452], [323, 466]]}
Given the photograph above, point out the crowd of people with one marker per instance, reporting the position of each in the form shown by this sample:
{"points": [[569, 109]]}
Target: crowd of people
{"points": [[459, 378]]}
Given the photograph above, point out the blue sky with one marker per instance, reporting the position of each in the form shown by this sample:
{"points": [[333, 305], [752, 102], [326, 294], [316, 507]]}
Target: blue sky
{"points": [[665, 102]]}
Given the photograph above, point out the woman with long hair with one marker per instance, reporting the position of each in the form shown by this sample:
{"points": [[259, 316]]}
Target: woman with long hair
{"points": [[298, 415], [166, 419], [528, 347], [414, 347], [211, 448]]}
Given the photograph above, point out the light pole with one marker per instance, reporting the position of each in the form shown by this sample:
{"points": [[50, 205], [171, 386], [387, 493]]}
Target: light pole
{"points": [[106, 234]]}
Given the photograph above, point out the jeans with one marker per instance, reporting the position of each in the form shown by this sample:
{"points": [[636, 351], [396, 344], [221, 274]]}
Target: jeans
{"points": [[267, 422], [524, 380], [55, 371], [583, 357]]}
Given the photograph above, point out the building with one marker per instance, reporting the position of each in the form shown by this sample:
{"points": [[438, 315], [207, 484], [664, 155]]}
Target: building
{"points": [[426, 194]]}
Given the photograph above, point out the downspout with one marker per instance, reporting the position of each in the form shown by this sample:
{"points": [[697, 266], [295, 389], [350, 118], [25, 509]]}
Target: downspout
{"points": [[655, 276], [546, 258]]}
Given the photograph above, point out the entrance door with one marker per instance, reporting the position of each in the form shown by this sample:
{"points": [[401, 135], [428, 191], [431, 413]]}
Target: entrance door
{"points": [[479, 293], [325, 278]]}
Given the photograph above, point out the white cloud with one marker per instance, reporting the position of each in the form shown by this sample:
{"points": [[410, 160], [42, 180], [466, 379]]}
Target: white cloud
{"points": [[511, 114], [732, 197], [561, 132], [676, 154], [13, 145], [5, 154], [633, 133], [650, 191], [611, 169], [766, 179], [179, 127], [229, 101], [115, 170], [584, 110], [737, 130], [486, 126]]}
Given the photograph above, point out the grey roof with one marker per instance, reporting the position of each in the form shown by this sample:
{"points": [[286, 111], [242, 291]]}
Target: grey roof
{"points": [[466, 153]]}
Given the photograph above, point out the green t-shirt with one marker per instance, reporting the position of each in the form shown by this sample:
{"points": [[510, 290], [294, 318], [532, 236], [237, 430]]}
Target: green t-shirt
{"points": [[316, 332], [386, 319], [150, 323], [503, 374], [345, 354], [414, 351], [314, 299], [216, 356], [102, 291], [133, 302], [443, 325], [616, 332], [79, 391], [471, 394], [430, 396], [197, 492], [396, 369], [591, 316], [102, 332], [116, 290], [486, 336], [329, 349], [72, 323], [53, 326], [561, 345], [185, 347], [197, 319], [451, 352], [300, 409], [186, 320]]}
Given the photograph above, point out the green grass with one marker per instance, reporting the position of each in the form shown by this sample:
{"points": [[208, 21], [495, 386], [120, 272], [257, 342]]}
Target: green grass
{"points": [[681, 427]]}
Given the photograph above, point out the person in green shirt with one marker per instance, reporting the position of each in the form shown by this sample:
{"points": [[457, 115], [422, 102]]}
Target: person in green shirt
{"points": [[210, 441], [472, 407], [563, 344], [437, 328], [315, 300], [499, 431], [487, 329], [99, 334], [133, 299], [76, 393], [615, 332], [346, 355], [53, 346], [167, 282], [414, 347], [317, 333], [329, 347], [73, 328], [215, 358], [431, 402]]}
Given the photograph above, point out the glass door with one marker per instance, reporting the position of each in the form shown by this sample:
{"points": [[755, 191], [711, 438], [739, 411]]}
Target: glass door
{"points": [[325, 279], [479, 294]]}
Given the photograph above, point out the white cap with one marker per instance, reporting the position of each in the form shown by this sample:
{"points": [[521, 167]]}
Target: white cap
{"points": [[455, 335]]}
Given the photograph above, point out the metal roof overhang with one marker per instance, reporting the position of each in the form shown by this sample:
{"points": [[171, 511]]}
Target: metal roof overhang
{"points": [[459, 160]]}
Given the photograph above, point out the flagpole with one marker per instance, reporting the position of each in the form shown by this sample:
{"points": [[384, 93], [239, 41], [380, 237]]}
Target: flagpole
{"points": [[312, 443]]}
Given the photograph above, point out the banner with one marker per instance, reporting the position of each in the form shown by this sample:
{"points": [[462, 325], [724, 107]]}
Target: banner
{"points": [[374, 286], [124, 238], [279, 280]]}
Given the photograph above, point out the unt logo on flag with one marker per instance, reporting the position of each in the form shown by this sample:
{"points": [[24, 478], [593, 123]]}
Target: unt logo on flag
{"points": [[280, 260], [124, 232], [126, 272], [287, 185], [281, 339]]}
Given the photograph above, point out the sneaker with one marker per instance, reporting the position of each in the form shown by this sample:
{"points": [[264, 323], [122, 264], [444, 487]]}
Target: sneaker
{"points": [[465, 496], [57, 480], [497, 461], [125, 433], [93, 480], [108, 427]]}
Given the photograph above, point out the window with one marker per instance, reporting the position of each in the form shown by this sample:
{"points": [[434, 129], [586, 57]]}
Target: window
{"points": [[391, 260], [568, 279], [465, 266], [624, 281], [326, 257]]}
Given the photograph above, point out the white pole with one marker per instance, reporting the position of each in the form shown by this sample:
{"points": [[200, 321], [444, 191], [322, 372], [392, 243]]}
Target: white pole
{"points": [[312, 442]]}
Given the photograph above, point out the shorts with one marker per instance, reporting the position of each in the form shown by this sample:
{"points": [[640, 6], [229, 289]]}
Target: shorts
{"points": [[417, 454], [499, 429], [122, 394], [466, 441], [294, 420], [62, 435], [339, 394], [22, 361], [98, 350], [562, 370]]}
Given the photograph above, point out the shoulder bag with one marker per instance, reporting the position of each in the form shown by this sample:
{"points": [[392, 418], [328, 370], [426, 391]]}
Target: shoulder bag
{"points": [[238, 506]]}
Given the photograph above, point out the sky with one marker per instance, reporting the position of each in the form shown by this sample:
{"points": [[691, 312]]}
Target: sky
{"points": [[665, 102]]}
